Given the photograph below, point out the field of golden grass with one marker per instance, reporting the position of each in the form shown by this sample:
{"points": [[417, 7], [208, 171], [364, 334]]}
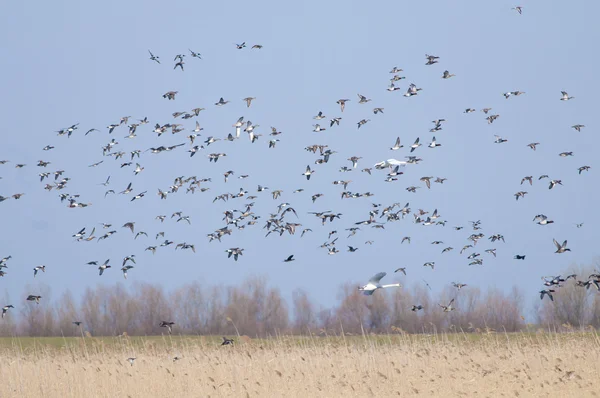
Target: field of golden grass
{"points": [[456, 365]]}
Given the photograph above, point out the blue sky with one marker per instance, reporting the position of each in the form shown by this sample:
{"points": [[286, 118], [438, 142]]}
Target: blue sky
{"points": [[70, 62]]}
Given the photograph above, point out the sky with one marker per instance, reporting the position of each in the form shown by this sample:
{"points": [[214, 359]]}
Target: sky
{"points": [[68, 62]]}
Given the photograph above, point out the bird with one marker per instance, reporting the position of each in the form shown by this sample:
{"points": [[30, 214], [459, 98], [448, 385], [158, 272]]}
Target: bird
{"points": [[431, 59], [401, 269], [547, 293], [180, 64], [553, 183], [499, 140], [227, 341], [235, 252], [447, 308], [583, 168], [168, 325], [154, 57], [565, 96], [542, 219], [415, 145], [578, 127], [125, 269], [519, 9], [342, 103], [416, 308], [170, 95], [129, 225], [39, 268], [561, 248], [289, 259], [397, 145], [362, 99], [5, 309], [308, 172], [374, 284], [221, 102], [103, 267], [433, 143], [131, 360], [32, 297]]}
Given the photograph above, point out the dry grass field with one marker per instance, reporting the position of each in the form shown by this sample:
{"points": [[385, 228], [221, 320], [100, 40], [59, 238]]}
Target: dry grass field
{"points": [[455, 365]]}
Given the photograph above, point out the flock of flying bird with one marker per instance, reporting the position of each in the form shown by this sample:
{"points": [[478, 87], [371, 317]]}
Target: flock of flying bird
{"points": [[284, 218]]}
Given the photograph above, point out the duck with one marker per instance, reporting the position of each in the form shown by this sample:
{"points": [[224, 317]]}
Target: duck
{"points": [[362, 99], [342, 102], [39, 268], [308, 172], [433, 143], [5, 309], [542, 219], [415, 145], [103, 267], [547, 292], [561, 248], [125, 269], [554, 183], [154, 57], [578, 127], [520, 194], [167, 324], [397, 145], [448, 308], [221, 102], [32, 297], [227, 341], [583, 168], [565, 96]]}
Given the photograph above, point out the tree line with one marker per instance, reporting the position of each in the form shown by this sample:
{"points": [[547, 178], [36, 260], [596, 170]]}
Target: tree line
{"points": [[256, 309]]}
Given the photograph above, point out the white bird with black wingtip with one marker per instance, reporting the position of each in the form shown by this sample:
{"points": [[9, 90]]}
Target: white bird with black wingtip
{"points": [[374, 284]]}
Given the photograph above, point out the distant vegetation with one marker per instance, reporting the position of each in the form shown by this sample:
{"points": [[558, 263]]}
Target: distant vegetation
{"points": [[257, 310]]}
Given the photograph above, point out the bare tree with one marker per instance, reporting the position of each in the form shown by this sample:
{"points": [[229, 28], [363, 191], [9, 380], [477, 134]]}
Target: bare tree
{"points": [[305, 317], [67, 313]]}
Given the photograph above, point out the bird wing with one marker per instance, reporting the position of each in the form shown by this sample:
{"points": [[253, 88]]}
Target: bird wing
{"points": [[377, 277], [556, 243]]}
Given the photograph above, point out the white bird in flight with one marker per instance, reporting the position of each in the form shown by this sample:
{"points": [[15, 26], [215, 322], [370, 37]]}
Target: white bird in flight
{"points": [[374, 284]]}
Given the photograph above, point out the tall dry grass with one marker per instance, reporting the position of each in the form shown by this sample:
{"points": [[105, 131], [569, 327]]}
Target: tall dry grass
{"points": [[515, 365]]}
